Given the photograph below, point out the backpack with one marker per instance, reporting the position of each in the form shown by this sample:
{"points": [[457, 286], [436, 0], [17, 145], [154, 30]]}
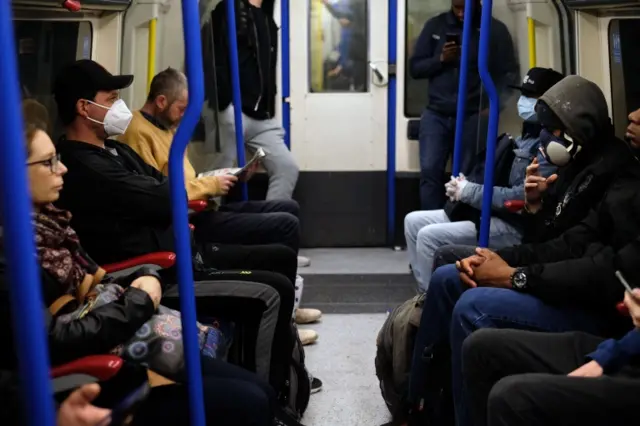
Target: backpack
{"points": [[295, 397], [394, 352]]}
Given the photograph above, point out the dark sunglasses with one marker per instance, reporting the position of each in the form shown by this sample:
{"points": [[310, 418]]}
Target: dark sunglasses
{"points": [[52, 163]]}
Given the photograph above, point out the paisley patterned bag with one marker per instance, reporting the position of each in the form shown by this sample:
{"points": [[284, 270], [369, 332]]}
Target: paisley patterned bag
{"points": [[158, 343]]}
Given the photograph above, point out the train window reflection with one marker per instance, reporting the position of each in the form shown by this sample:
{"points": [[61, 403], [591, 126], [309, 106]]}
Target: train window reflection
{"points": [[338, 47], [624, 59], [44, 47], [418, 13]]}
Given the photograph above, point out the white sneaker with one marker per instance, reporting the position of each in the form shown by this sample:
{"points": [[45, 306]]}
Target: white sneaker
{"points": [[303, 262], [307, 336], [307, 316]]}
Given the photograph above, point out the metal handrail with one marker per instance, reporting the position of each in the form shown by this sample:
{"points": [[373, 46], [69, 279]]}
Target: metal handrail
{"points": [[23, 276], [194, 70]]}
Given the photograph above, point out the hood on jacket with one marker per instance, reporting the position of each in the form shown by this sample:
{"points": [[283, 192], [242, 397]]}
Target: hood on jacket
{"points": [[580, 106]]}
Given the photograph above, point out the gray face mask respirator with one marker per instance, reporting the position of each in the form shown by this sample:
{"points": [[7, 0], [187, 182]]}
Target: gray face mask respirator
{"points": [[558, 150]]}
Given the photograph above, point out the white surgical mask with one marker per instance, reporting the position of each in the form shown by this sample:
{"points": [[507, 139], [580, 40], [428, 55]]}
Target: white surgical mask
{"points": [[117, 118], [526, 107]]}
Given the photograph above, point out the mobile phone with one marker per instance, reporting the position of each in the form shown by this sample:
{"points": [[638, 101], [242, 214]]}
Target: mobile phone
{"points": [[625, 284], [453, 37], [126, 407]]}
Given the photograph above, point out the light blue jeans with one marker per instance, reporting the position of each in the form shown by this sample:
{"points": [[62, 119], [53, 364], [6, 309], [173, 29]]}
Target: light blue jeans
{"points": [[428, 230], [266, 134]]}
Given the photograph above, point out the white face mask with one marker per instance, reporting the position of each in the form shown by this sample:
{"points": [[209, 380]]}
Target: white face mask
{"points": [[117, 118]]}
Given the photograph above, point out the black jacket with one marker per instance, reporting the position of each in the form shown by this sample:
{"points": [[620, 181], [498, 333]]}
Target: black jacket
{"points": [[98, 332], [121, 206], [257, 57], [579, 189], [444, 78], [577, 268]]}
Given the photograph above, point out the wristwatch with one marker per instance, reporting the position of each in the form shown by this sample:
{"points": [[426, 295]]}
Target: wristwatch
{"points": [[519, 279]]}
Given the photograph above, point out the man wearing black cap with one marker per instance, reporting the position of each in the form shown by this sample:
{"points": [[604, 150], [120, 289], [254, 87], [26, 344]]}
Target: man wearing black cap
{"points": [[428, 230], [566, 283], [437, 57]]}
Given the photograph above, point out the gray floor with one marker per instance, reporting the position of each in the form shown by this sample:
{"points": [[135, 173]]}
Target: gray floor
{"points": [[343, 359], [354, 288]]}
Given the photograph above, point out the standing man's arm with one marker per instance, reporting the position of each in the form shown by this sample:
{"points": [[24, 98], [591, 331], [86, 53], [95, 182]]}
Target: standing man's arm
{"points": [[426, 61]]}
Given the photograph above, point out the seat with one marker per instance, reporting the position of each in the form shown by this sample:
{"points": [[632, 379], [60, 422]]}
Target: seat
{"points": [[91, 369], [162, 259], [514, 206]]}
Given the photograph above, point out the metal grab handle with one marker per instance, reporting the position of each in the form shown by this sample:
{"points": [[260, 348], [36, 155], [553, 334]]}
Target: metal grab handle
{"points": [[382, 82]]}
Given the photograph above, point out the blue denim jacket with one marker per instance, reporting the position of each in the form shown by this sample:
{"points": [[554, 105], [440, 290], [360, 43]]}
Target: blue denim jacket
{"points": [[472, 192]]}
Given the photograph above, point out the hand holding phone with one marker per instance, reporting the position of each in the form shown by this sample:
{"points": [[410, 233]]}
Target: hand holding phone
{"points": [[451, 49], [453, 38], [121, 413]]}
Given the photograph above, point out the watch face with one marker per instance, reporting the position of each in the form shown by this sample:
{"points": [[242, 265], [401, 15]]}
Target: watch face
{"points": [[519, 279]]}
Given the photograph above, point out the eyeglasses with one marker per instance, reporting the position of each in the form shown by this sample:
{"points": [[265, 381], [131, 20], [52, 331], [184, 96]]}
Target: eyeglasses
{"points": [[53, 163]]}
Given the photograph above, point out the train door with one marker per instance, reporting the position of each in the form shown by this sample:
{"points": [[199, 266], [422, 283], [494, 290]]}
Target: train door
{"points": [[338, 132]]}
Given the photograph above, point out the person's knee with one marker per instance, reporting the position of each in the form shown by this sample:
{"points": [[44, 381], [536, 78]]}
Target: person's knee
{"points": [[286, 223], [258, 410], [477, 347], [413, 222], [289, 206], [467, 310], [430, 237], [512, 395]]}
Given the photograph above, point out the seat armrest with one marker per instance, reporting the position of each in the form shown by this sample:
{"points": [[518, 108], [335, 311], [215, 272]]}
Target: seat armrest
{"points": [[101, 367], [514, 206], [622, 308], [196, 206], [163, 259]]}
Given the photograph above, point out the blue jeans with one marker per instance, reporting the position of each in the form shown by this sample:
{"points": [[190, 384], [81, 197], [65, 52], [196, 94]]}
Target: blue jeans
{"points": [[437, 137], [451, 313]]}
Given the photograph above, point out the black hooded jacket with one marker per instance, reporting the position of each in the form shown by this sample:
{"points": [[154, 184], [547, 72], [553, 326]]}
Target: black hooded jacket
{"points": [[578, 266]]}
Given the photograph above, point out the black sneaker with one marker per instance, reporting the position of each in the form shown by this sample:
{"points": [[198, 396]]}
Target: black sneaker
{"points": [[316, 385]]}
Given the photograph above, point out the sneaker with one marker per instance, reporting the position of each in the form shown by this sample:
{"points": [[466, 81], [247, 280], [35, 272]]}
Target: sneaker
{"points": [[307, 316], [303, 262], [316, 385], [307, 336]]}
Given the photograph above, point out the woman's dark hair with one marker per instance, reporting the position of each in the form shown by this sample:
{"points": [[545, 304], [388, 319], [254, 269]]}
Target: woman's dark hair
{"points": [[36, 117]]}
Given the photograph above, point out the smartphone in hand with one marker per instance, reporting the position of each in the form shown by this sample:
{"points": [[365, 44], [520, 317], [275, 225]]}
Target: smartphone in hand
{"points": [[121, 412], [453, 38]]}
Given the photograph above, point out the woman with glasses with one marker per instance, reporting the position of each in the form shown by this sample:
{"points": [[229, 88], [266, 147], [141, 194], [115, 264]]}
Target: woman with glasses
{"points": [[233, 396]]}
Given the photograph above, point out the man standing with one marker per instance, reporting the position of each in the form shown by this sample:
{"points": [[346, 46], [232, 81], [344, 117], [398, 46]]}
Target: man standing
{"points": [[257, 36], [437, 58]]}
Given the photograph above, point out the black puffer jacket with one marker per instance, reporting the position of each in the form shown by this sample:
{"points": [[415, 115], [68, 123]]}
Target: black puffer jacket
{"points": [[578, 267], [98, 332], [581, 107]]}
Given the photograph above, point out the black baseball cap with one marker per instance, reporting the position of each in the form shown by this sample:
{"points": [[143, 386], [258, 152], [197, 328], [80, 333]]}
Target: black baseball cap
{"points": [[82, 80], [537, 81]]}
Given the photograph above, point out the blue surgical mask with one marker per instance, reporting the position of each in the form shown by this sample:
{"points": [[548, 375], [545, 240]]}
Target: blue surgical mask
{"points": [[526, 107]]}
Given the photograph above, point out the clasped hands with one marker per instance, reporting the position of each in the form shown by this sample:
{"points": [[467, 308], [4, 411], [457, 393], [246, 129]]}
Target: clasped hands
{"points": [[454, 187], [485, 269]]}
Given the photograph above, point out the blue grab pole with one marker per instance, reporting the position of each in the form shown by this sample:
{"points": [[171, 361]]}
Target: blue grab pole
{"points": [[462, 86], [27, 306], [194, 68], [391, 123], [235, 86], [286, 71], [494, 115]]}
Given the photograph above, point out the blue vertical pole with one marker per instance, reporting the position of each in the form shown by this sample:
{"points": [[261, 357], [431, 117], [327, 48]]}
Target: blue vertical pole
{"points": [[193, 53], [391, 121], [467, 29], [235, 85], [286, 70], [27, 306], [494, 116]]}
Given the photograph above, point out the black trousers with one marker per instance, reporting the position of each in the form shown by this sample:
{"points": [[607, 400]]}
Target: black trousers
{"points": [[232, 397], [249, 223], [246, 313], [519, 378]]}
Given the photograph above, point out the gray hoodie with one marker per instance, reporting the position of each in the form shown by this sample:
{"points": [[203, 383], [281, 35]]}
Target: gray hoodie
{"points": [[581, 106]]}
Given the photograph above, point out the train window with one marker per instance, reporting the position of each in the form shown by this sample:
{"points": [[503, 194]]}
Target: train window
{"points": [[624, 60], [44, 47], [418, 12], [339, 46]]}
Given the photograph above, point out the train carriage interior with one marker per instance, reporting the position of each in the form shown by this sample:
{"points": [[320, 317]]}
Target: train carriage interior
{"points": [[354, 138]]}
